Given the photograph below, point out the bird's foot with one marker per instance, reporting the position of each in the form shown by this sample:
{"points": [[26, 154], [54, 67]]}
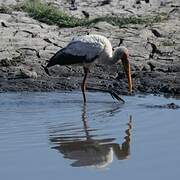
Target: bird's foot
{"points": [[116, 96], [111, 91]]}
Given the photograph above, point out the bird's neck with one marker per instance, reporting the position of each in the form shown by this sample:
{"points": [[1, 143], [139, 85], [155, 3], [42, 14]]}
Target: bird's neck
{"points": [[114, 59]]}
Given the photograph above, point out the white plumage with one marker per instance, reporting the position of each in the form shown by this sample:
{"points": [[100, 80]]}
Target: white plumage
{"points": [[89, 46], [85, 50]]}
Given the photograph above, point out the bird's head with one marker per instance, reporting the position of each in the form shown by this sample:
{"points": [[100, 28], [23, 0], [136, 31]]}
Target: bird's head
{"points": [[123, 54]]}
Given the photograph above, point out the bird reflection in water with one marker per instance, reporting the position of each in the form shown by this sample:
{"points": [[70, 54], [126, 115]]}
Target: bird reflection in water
{"points": [[88, 151]]}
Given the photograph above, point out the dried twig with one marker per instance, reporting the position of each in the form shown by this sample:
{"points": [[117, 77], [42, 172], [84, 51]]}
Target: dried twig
{"points": [[155, 50], [121, 41], [49, 41], [3, 24], [86, 14], [156, 32], [31, 49]]}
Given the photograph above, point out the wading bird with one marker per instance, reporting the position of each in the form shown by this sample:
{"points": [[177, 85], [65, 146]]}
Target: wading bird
{"points": [[87, 50]]}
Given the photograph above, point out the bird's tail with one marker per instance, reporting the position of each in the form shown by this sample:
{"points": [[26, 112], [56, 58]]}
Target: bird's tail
{"points": [[46, 70]]}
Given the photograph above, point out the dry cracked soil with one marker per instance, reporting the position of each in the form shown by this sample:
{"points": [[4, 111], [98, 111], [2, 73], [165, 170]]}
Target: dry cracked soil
{"points": [[26, 44]]}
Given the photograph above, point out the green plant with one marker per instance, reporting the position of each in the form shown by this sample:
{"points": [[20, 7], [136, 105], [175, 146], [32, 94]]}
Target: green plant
{"points": [[52, 15]]}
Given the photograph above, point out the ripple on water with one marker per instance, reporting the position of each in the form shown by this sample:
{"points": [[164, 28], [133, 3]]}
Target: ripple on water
{"points": [[90, 135]]}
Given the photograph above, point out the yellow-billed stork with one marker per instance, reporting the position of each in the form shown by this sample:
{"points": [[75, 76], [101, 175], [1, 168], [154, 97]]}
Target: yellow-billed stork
{"points": [[88, 49]]}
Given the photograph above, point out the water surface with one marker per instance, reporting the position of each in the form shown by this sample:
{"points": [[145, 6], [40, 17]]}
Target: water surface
{"points": [[54, 136]]}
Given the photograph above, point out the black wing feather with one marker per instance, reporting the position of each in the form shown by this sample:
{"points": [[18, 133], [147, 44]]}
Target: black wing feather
{"points": [[62, 58]]}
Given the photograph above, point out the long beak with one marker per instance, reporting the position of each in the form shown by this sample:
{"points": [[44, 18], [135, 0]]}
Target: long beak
{"points": [[127, 69]]}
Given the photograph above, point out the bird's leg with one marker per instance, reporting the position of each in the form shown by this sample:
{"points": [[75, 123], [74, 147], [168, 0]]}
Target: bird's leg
{"points": [[83, 86]]}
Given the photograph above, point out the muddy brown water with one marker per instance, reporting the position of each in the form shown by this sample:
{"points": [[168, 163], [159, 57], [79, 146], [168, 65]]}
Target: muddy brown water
{"points": [[54, 136]]}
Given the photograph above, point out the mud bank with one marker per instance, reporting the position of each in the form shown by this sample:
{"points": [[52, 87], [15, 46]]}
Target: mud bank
{"points": [[26, 44]]}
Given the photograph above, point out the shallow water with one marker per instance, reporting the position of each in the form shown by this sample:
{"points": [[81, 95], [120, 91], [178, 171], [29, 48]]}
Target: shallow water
{"points": [[53, 136]]}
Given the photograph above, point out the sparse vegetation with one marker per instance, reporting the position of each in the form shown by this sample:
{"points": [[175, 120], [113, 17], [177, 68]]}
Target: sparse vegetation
{"points": [[5, 9], [51, 15]]}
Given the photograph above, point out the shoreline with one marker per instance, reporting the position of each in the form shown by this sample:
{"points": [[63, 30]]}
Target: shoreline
{"points": [[26, 44]]}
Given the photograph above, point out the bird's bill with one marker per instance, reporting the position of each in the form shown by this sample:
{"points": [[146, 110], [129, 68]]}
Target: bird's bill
{"points": [[127, 69]]}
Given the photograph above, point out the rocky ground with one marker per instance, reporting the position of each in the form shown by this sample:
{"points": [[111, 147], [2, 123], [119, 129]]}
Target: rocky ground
{"points": [[26, 44]]}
